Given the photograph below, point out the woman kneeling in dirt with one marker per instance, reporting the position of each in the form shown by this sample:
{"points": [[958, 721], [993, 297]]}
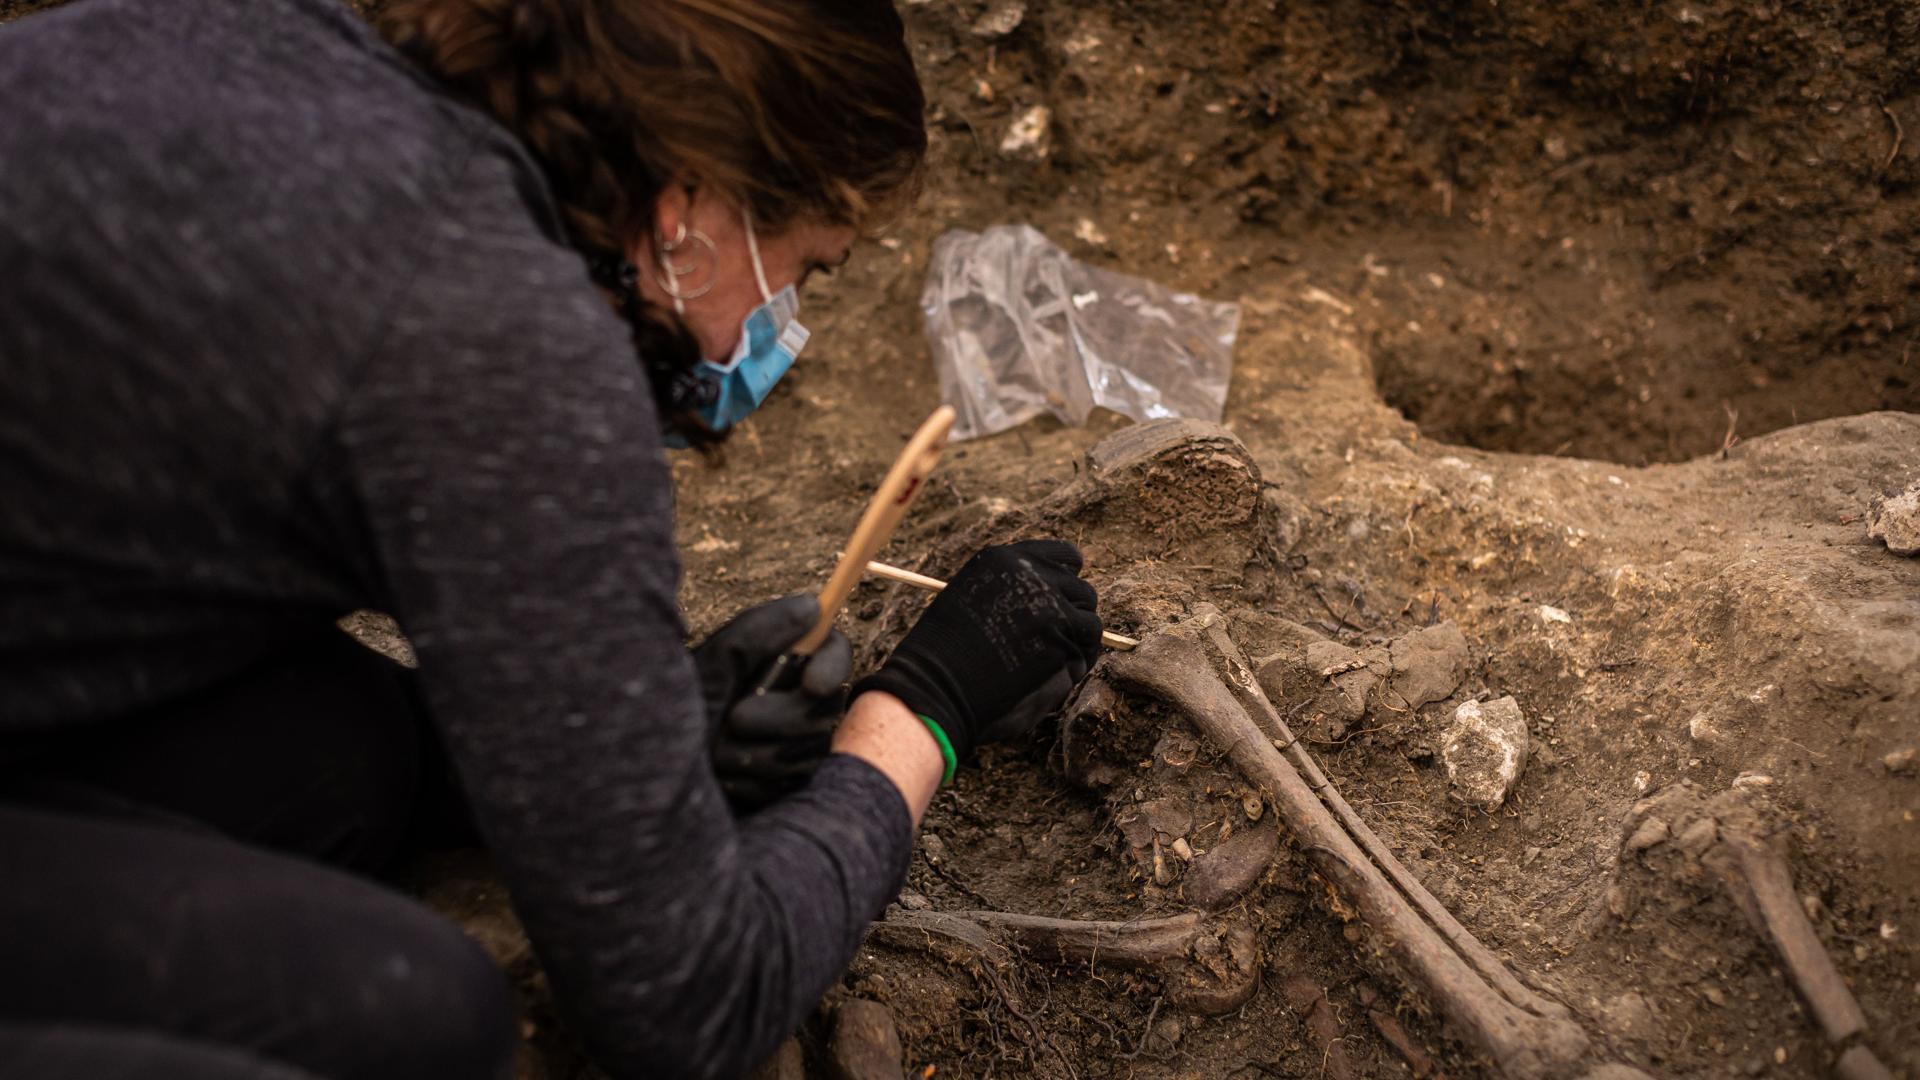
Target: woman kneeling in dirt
{"points": [[300, 321]]}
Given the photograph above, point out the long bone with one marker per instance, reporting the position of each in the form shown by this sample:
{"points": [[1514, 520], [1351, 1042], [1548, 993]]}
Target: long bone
{"points": [[1246, 689], [1524, 1045]]}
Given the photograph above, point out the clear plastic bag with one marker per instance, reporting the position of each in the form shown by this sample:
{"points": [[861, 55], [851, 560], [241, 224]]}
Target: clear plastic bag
{"points": [[1019, 327]]}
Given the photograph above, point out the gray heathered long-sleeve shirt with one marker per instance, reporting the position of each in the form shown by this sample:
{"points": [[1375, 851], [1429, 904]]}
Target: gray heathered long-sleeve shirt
{"points": [[285, 332]]}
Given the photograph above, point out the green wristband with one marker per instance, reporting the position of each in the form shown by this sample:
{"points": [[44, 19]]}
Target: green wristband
{"points": [[946, 748]]}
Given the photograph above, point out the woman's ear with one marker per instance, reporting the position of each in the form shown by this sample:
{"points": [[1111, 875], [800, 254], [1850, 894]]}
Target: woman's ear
{"points": [[672, 209]]}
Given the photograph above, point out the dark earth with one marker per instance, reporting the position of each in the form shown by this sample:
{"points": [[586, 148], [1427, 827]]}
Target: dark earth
{"points": [[1582, 334]]}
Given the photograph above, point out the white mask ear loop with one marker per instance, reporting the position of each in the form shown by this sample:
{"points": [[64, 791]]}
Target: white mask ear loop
{"points": [[753, 248], [666, 268]]}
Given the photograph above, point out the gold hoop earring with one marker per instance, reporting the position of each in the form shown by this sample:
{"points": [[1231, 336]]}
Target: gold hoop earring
{"points": [[669, 276]]}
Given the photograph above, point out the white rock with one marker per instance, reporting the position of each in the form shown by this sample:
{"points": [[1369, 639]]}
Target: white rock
{"points": [[1001, 19], [1549, 613], [1029, 134], [1484, 751], [1896, 520]]}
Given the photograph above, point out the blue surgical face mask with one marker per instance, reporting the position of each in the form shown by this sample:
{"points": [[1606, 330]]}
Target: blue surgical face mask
{"points": [[770, 339]]}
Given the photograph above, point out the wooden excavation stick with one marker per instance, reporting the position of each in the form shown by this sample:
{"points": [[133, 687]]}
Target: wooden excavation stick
{"points": [[888, 505], [908, 577]]}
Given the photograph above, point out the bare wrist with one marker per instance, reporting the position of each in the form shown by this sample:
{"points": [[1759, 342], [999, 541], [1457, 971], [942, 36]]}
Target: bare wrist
{"points": [[881, 730]]}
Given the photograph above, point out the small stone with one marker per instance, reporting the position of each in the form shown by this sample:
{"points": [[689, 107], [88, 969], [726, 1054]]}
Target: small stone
{"points": [[1484, 751], [934, 848], [1086, 231], [914, 901], [1330, 658], [864, 1044], [1697, 836], [1029, 134], [1900, 762], [1219, 877], [1000, 20], [1169, 816], [1629, 1016], [1183, 849], [1895, 519], [1651, 831], [1551, 614], [1429, 664], [1702, 729]]}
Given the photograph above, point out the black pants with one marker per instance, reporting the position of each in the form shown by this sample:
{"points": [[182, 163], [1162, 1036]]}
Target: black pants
{"points": [[167, 907]]}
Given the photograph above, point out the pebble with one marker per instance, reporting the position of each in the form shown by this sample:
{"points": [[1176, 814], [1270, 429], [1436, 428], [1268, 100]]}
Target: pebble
{"points": [[1001, 19], [1429, 664], [934, 848], [1702, 729], [1698, 836], [1029, 134], [1900, 761], [1895, 519], [1485, 750], [864, 1044], [1651, 831], [1220, 876]]}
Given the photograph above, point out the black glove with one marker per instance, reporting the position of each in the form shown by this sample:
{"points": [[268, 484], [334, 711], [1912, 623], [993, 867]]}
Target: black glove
{"points": [[767, 745], [1000, 648]]}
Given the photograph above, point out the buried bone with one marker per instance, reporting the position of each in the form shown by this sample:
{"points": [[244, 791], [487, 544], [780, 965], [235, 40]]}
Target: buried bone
{"points": [[1525, 1036], [1726, 835], [1204, 968], [1227, 657]]}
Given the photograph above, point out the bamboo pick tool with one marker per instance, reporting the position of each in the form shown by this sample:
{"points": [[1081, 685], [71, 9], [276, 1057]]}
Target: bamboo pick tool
{"points": [[880, 569], [889, 504]]}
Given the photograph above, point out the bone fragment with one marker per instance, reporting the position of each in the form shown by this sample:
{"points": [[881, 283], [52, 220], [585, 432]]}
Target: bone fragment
{"points": [[1139, 943], [1769, 895], [1762, 886], [1201, 972], [1524, 1045]]}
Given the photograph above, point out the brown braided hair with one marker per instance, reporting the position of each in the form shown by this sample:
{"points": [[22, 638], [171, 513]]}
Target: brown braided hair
{"points": [[795, 109]]}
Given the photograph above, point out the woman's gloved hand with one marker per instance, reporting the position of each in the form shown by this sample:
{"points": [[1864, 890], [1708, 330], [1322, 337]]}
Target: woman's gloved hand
{"points": [[766, 746], [998, 649]]}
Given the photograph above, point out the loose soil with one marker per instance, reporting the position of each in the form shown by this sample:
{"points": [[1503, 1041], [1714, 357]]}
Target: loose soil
{"points": [[1624, 235], [1526, 288]]}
